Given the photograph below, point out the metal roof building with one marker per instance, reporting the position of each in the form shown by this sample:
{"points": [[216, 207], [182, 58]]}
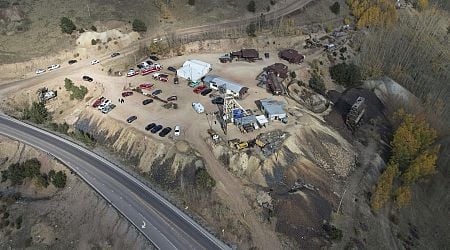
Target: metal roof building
{"points": [[274, 110], [216, 82]]}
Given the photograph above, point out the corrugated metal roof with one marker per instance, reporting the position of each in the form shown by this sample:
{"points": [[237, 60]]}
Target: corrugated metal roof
{"points": [[221, 82], [272, 107]]}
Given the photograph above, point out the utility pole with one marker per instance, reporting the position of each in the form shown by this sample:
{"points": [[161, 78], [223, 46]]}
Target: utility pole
{"points": [[89, 10]]}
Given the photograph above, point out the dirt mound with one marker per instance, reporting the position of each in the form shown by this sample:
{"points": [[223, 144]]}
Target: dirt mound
{"points": [[119, 38]]}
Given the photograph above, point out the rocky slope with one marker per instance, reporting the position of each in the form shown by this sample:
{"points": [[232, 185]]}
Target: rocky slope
{"points": [[74, 217]]}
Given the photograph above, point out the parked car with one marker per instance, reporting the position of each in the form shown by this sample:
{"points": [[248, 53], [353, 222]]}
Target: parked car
{"points": [[199, 89], [40, 71], [108, 108], [165, 131], [87, 79], [115, 54], [175, 80], [131, 119], [146, 85], [95, 61], [132, 72], [157, 92], [194, 84], [53, 66], [198, 107], [154, 58], [98, 102], [206, 91], [150, 126], [156, 128], [127, 93], [177, 131], [173, 69], [172, 98], [104, 104], [72, 61], [147, 101], [217, 100]]}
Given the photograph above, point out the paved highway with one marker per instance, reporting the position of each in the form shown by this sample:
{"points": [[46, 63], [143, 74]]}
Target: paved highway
{"points": [[163, 224]]}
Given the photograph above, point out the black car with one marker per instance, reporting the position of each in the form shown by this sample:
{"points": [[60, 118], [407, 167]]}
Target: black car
{"points": [[206, 91], [72, 61], [173, 69], [147, 101], [115, 54], [218, 100], [165, 131], [131, 119], [156, 128], [150, 126], [154, 58], [88, 79], [149, 62], [175, 80], [157, 92]]}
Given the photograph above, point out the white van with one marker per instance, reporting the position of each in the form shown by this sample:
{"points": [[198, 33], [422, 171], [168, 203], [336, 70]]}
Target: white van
{"points": [[198, 107]]}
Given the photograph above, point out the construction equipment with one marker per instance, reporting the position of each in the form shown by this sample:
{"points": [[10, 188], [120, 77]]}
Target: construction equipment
{"points": [[356, 113], [213, 135], [242, 145], [260, 143]]}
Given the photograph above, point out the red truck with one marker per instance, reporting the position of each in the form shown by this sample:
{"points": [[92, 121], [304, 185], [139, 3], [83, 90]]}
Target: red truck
{"points": [[127, 93], [146, 85], [98, 101], [199, 89], [151, 69], [160, 76]]}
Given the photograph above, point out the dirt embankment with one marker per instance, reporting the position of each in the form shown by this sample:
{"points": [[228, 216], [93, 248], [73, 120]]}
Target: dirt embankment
{"points": [[173, 168], [312, 154], [74, 217]]}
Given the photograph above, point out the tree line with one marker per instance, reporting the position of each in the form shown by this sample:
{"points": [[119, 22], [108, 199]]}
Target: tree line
{"points": [[414, 156]]}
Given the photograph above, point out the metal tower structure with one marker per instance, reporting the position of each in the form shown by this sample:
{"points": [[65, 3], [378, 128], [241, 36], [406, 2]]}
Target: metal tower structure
{"points": [[229, 104]]}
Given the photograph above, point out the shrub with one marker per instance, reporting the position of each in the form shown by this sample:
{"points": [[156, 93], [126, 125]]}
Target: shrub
{"points": [[17, 172], [348, 75], [93, 28], [81, 30], [203, 179], [191, 2], [19, 222], [251, 6], [59, 179], [251, 29], [316, 83], [293, 74], [41, 180], [93, 42], [67, 26], [76, 92], [139, 26], [333, 232], [37, 113], [335, 8]]}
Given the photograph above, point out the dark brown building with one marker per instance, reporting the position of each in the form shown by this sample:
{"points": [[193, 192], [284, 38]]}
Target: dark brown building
{"points": [[246, 54], [279, 69], [291, 55]]}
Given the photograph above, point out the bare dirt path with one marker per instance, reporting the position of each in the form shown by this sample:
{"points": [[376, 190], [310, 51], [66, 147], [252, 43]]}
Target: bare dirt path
{"points": [[230, 189]]}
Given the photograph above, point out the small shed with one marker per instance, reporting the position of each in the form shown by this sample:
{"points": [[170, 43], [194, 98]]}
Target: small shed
{"points": [[262, 120], [246, 54], [274, 110], [229, 87], [279, 69], [291, 55]]}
